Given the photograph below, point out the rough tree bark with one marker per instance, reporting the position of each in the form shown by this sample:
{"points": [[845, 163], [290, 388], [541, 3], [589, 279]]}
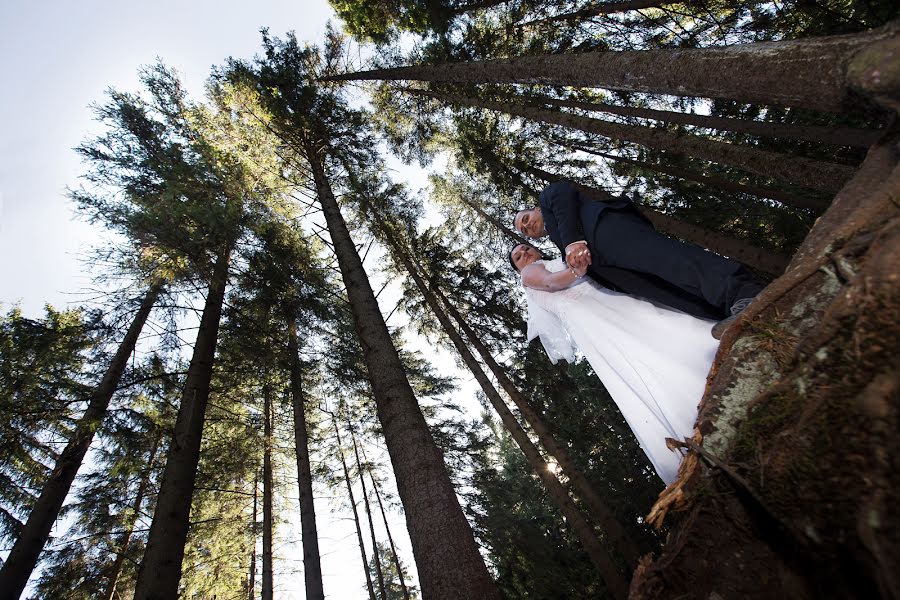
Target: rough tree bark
{"points": [[438, 530], [802, 409], [160, 570], [25, 552], [796, 170], [809, 73], [312, 564], [251, 586]]}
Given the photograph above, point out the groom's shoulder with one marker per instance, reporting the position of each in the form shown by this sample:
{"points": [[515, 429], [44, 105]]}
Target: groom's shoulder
{"points": [[556, 189]]}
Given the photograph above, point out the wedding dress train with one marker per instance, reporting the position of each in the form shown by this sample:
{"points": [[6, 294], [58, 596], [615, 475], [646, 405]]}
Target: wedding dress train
{"points": [[652, 360]]}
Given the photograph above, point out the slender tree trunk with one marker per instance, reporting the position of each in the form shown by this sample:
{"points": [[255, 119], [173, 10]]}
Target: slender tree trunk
{"points": [[160, 570], [362, 481], [814, 174], [753, 256], [815, 204], [836, 136], [253, 551], [438, 530], [811, 73], [25, 552], [312, 565], [268, 523], [387, 529], [359, 536], [112, 575], [600, 8], [580, 527], [582, 486]]}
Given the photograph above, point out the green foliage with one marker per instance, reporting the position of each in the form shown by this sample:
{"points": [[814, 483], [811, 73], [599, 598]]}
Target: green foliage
{"points": [[45, 377]]}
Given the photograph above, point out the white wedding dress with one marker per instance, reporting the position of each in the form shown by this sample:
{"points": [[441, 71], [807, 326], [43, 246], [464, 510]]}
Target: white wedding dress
{"points": [[653, 361]]}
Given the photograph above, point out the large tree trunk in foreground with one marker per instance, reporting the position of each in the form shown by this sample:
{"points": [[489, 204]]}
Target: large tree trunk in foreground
{"points": [[802, 412], [809, 73], [268, 522], [796, 170], [252, 583], [160, 570], [836, 136], [25, 552], [560, 497], [312, 564], [438, 530]]}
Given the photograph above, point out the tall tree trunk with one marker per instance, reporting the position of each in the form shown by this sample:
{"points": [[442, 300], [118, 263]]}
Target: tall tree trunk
{"points": [[836, 136], [312, 565], [112, 574], [362, 481], [25, 552], [753, 256], [580, 527], [359, 535], [815, 204], [268, 522], [387, 529], [253, 550], [438, 530], [160, 570], [811, 73], [806, 172], [602, 8], [582, 486]]}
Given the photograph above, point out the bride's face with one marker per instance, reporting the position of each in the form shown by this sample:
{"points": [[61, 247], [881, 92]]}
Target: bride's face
{"points": [[523, 255]]}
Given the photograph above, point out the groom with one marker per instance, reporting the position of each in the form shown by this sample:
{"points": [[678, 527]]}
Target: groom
{"points": [[625, 253]]}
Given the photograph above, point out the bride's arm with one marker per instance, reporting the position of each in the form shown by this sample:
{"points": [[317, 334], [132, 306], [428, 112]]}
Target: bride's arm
{"points": [[537, 277]]}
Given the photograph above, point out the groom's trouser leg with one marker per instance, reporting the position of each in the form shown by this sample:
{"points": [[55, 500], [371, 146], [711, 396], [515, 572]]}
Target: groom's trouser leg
{"points": [[623, 239]]}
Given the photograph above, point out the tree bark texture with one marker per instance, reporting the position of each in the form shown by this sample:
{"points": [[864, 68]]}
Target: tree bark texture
{"points": [[438, 530], [28, 546], [160, 570], [252, 582], [816, 205], [580, 527], [805, 172], [753, 256], [268, 521], [362, 481], [312, 564], [809, 73], [359, 535], [801, 414], [835, 136]]}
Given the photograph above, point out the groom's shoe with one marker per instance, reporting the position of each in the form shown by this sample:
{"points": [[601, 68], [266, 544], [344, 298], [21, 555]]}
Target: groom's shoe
{"points": [[736, 309]]}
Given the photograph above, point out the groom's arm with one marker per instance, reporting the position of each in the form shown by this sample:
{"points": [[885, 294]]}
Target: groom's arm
{"points": [[562, 200]]}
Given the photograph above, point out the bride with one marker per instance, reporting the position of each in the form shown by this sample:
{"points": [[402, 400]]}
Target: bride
{"points": [[653, 361]]}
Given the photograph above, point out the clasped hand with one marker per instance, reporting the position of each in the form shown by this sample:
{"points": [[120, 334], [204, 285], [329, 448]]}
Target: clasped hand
{"points": [[578, 257]]}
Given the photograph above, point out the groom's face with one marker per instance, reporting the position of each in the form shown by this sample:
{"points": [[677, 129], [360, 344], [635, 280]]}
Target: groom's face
{"points": [[530, 223]]}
